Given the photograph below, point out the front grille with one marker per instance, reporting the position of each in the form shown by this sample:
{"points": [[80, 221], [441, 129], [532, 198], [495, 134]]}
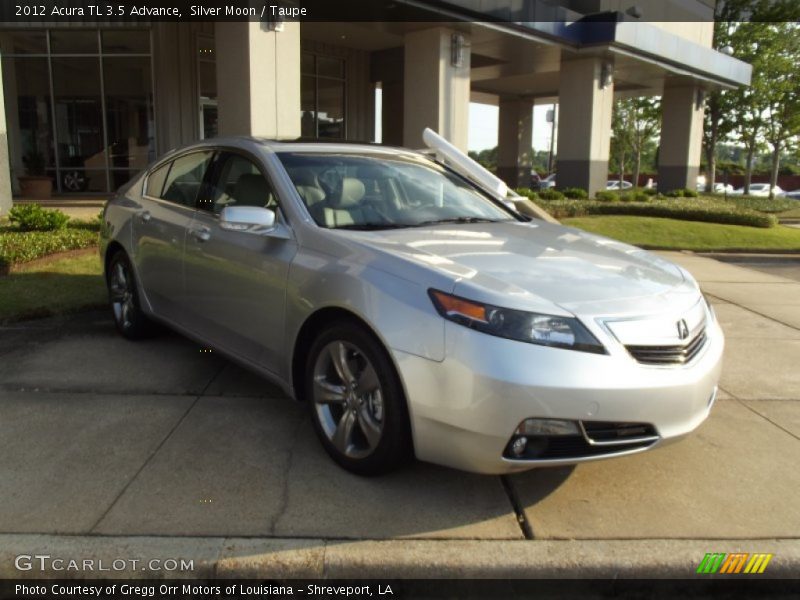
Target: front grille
{"points": [[669, 355]]}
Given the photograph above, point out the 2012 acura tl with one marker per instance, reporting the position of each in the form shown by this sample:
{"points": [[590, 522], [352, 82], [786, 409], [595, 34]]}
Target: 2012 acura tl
{"points": [[412, 309]]}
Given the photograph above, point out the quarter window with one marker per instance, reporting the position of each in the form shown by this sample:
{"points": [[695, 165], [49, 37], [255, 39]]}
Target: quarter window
{"points": [[185, 177], [155, 181]]}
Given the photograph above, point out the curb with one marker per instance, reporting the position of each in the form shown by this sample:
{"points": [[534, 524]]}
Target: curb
{"points": [[292, 558]]}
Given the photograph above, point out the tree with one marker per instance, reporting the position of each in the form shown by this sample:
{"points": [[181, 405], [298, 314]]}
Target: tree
{"points": [[756, 30], [782, 95], [635, 123], [717, 124], [620, 136]]}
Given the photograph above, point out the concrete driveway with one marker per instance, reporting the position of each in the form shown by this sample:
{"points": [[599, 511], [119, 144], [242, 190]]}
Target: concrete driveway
{"points": [[164, 440]]}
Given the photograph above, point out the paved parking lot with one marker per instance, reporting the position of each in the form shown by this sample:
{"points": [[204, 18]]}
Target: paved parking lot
{"points": [[101, 436]]}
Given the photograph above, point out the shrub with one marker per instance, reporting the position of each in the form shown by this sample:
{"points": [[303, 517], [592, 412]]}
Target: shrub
{"points": [[32, 217], [575, 193], [21, 246], [688, 211], [690, 193], [641, 197], [674, 194], [607, 196], [525, 191], [627, 197], [650, 191], [551, 194]]}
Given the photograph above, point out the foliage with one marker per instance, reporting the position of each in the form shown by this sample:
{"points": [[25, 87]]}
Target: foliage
{"points": [[607, 196], [550, 194], [526, 191], [690, 193], [575, 193], [32, 217], [650, 191], [22, 246], [674, 193], [705, 209]]}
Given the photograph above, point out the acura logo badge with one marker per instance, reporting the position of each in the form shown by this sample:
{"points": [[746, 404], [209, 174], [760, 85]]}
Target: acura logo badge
{"points": [[683, 329]]}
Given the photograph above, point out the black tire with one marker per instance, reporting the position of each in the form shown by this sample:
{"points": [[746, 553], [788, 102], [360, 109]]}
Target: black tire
{"points": [[123, 296], [385, 405]]}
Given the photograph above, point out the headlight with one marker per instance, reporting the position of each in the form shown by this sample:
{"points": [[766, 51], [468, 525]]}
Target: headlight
{"points": [[533, 328]]}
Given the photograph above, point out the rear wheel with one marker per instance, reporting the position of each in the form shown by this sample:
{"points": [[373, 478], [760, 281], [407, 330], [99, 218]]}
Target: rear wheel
{"points": [[356, 401], [129, 319]]}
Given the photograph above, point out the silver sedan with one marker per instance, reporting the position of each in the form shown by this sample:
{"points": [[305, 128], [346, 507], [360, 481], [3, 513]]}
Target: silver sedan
{"points": [[412, 309]]}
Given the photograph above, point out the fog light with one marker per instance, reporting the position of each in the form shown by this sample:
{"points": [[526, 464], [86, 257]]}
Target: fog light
{"points": [[547, 427], [518, 446]]}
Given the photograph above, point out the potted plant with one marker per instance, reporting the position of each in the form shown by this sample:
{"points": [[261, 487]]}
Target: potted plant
{"points": [[35, 184]]}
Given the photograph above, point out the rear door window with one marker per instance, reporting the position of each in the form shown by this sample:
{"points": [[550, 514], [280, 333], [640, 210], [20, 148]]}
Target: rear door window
{"points": [[186, 176]]}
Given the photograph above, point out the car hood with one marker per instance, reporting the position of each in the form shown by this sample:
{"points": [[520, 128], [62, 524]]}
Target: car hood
{"points": [[528, 265]]}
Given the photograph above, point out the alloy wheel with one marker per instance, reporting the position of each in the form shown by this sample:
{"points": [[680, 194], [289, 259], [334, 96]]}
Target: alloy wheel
{"points": [[348, 399], [121, 288]]}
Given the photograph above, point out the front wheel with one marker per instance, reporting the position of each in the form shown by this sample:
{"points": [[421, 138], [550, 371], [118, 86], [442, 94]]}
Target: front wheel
{"points": [[356, 401], [129, 319]]}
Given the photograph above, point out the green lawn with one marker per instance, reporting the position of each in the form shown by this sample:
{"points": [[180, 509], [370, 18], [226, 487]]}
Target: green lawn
{"points": [[672, 234], [52, 286]]}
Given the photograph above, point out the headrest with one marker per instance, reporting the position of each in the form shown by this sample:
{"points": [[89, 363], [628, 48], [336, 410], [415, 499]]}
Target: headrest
{"points": [[353, 191], [302, 176], [252, 190]]}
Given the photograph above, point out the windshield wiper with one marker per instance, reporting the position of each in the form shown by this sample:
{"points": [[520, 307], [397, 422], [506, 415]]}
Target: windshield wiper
{"points": [[460, 220], [374, 226]]}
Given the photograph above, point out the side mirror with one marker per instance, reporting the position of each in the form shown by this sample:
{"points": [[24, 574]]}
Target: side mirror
{"points": [[249, 219]]}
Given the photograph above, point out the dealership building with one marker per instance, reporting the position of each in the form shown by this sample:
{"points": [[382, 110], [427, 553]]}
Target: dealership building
{"points": [[93, 103]]}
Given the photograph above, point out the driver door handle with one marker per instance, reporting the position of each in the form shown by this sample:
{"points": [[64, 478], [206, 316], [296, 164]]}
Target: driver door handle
{"points": [[201, 234], [145, 216]]}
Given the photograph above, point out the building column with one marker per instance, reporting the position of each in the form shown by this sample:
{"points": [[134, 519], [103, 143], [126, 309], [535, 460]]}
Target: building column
{"points": [[514, 141], [5, 165], [258, 79], [681, 137], [435, 90], [585, 101]]}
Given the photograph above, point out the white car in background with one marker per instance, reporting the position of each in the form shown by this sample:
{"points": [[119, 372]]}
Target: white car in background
{"points": [[760, 190], [613, 185]]}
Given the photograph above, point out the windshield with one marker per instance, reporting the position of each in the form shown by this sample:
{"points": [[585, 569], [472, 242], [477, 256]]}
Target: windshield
{"points": [[361, 191]]}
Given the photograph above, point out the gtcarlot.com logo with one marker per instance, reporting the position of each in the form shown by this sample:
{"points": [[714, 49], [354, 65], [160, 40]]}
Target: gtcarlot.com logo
{"points": [[733, 564], [45, 562]]}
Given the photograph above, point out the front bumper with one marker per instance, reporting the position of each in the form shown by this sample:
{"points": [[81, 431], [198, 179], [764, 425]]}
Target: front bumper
{"points": [[465, 409]]}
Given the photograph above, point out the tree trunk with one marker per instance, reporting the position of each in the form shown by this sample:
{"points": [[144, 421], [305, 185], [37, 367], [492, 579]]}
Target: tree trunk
{"points": [[637, 167], [748, 168], [776, 164], [711, 165]]}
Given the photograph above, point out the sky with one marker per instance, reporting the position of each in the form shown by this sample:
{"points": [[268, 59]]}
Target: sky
{"points": [[483, 125]]}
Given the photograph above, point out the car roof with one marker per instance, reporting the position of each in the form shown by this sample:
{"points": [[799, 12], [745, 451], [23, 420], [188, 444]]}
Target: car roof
{"points": [[302, 145]]}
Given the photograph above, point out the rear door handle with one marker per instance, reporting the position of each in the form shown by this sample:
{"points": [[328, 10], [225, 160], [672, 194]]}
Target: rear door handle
{"points": [[202, 234]]}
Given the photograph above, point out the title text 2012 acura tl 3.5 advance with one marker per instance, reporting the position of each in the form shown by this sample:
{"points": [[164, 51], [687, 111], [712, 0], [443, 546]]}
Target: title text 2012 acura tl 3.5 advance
{"points": [[415, 312]]}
